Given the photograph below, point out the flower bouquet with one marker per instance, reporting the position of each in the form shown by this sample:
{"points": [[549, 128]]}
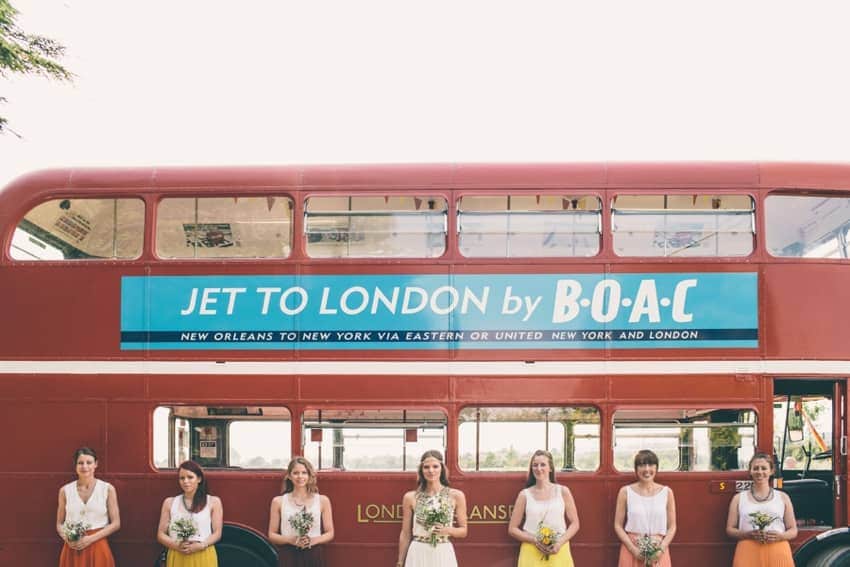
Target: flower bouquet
{"points": [[650, 549], [74, 531], [301, 521], [761, 520], [437, 512], [183, 528], [546, 537]]}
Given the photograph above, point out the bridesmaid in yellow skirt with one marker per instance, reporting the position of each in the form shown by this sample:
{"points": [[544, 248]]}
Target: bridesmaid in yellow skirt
{"points": [[197, 508], [549, 514], [768, 546]]}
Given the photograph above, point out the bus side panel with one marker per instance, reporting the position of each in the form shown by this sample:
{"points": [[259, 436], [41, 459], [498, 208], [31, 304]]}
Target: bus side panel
{"points": [[805, 308], [709, 387], [48, 432], [248, 389], [549, 389], [76, 316], [377, 388]]}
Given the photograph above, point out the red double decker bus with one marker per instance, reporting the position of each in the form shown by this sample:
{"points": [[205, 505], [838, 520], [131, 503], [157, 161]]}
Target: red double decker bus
{"points": [[362, 315]]}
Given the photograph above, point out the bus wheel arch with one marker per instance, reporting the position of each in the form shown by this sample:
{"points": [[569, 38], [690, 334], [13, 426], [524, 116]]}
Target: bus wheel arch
{"points": [[825, 549], [242, 545]]}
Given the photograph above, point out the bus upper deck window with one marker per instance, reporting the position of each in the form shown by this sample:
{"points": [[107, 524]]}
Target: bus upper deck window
{"points": [[529, 226], [380, 226], [224, 227], [81, 229], [680, 225], [802, 226]]}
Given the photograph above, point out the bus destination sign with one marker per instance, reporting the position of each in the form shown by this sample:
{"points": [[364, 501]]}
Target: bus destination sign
{"points": [[424, 311]]}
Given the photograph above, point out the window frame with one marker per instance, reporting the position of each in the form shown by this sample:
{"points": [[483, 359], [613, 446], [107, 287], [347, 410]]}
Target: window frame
{"points": [[683, 408], [755, 212], [28, 208], [555, 193], [804, 193], [225, 420], [424, 195], [304, 435], [293, 219], [599, 449]]}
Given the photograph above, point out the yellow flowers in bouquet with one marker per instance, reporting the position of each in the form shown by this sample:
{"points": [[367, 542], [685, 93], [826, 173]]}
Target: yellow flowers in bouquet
{"points": [[547, 537]]}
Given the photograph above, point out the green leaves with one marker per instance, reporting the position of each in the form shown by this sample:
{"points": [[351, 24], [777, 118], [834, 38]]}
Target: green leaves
{"points": [[25, 53]]}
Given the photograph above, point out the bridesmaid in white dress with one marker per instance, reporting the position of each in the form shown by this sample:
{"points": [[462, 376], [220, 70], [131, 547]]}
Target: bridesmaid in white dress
{"points": [[421, 544]]}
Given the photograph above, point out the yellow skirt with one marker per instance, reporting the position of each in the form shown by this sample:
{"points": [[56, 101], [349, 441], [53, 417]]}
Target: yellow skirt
{"points": [[530, 556], [751, 553], [205, 558]]}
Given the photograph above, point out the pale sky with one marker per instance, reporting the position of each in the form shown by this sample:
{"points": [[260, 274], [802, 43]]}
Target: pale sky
{"points": [[386, 81]]}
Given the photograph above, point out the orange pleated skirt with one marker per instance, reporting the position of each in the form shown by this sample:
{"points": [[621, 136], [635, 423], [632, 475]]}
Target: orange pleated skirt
{"points": [[629, 560], [751, 553], [97, 554]]}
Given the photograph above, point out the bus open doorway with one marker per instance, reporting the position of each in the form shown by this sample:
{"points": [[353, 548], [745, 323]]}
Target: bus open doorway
{"points": [[810, 445]]}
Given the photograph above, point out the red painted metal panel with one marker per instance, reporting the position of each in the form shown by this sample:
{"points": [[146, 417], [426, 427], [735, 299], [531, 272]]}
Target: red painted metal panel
{"points": [[72, 387], [49, 432], [803, 305], [398, 389], [665, 389], [552, 390], [249, 388]]}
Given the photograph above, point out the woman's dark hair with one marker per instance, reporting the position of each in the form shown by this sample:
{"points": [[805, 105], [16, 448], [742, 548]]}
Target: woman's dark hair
{"points": [[531, 481], [312, 486], [84, 451], [432, 454], [200, 498], [645, 457]]}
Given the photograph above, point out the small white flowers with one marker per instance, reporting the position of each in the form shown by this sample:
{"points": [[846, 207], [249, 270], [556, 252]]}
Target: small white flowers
{"points": [[183, 528], [74, 531]]}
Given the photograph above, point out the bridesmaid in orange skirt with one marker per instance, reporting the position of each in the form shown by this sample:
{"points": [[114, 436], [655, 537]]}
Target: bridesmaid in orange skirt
{"points": [[645, 509], [92, 503], [768, 546]]}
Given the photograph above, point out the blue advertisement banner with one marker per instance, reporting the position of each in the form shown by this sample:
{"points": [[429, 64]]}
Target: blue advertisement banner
{"points": [[487, 311]]}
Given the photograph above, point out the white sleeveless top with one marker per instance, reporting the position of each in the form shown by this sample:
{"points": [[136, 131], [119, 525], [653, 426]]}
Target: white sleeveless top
{"points": [[646, 514], [775, 506], [94, 512], [290, 508], [549, 512], [202, 519]]}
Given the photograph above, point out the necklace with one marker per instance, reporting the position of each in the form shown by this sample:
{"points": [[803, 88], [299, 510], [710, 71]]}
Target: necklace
{"points": [[300, 501], [189, 507], [763, 498]]}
